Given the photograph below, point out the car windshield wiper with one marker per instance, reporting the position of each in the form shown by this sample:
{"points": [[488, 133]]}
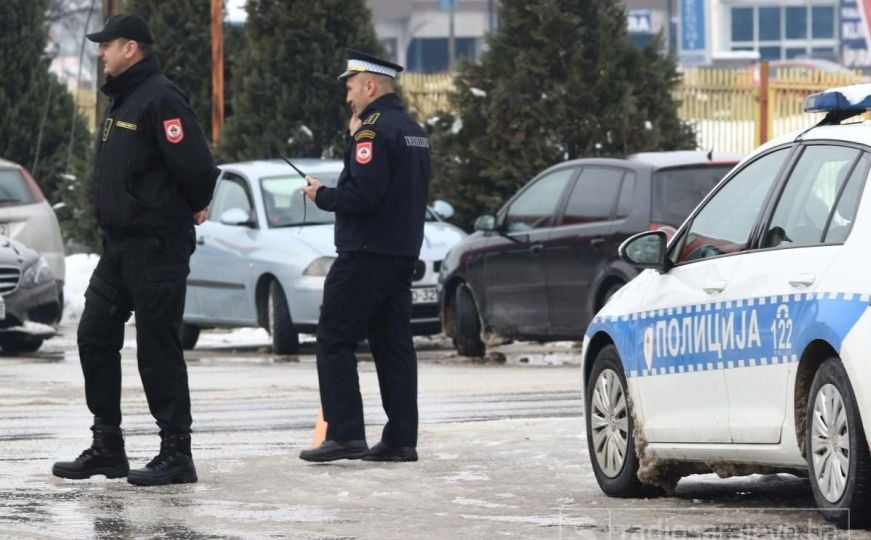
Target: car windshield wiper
{"points": [[4, 200]]}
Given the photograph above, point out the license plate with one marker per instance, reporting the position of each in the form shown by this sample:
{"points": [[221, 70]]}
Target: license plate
{"points": [[424, 295], [2, 309]]}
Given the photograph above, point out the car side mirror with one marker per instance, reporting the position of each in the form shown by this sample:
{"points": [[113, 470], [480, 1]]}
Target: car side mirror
{"points": [[444, 209], [237, 217], [646, 250], [486, 223]]}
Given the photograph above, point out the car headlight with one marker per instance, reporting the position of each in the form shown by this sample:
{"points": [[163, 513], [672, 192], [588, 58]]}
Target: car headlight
{"points": [[36, 274], [319, 266]]}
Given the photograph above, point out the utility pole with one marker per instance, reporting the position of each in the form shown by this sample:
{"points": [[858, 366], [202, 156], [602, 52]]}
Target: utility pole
{"points": [[452, 39], [217, 70], [110, 7]]}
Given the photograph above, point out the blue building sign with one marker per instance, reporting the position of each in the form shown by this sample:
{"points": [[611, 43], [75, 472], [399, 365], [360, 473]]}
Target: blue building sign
{"points": [[693, 49], [854, 34]]}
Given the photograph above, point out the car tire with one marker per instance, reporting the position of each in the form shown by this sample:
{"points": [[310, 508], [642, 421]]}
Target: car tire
{"points": [[467, 336], [833, 423], [21, 344], [612, 433], [189, 334], [285, 338]]}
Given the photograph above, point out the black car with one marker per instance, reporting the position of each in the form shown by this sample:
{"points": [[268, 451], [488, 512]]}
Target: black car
{"points": [[542, 266]]}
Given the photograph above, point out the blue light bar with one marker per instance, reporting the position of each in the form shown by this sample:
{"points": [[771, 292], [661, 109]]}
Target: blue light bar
{"points": [[847, 98]]}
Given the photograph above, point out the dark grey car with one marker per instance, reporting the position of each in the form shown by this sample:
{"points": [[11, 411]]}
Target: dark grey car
{"points": [[542, 266], [29, 299]]}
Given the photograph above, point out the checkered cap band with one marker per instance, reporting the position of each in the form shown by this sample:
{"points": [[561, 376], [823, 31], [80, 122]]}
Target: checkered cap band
{"points": [[362, 65]]}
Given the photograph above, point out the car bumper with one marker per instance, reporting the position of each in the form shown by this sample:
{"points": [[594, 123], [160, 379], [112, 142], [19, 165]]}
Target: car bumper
{"points": [[32, 311], [305, 309]]}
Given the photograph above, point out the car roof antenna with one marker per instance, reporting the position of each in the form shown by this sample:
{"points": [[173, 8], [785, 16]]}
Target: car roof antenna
{"points": [[299, 172]]}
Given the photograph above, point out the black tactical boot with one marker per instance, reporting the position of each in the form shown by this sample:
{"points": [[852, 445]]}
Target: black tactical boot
{"points": [[105, 456], [173, 465]]}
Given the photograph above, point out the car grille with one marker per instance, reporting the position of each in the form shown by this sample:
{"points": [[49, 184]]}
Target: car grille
{"points": [[419, 270], [9, 276]]}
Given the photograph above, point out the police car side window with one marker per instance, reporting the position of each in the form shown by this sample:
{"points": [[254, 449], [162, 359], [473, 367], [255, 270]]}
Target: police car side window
{"points": [[232, 192], [535, 206], [724, 224], [809, 196], [841, 221]]}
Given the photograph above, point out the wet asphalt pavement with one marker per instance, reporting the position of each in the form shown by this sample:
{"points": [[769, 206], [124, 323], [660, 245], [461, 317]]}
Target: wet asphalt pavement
{"points": [[502, 454]]}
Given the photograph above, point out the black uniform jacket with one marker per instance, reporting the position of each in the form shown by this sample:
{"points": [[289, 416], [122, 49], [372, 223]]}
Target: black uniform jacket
{"points": [[380, 199], [153, 168]]}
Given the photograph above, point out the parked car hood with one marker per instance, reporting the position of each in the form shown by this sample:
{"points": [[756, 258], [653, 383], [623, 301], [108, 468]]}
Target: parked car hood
{"points": [[13, 253], [438, 237]]}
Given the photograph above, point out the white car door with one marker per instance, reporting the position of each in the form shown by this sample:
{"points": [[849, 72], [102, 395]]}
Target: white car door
{"points": [[219, 282], [682, 384], [777, 285]]}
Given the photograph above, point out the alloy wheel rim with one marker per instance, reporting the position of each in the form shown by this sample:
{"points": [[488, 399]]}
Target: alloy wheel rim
{"points": [[830, 443], [609, 422]]}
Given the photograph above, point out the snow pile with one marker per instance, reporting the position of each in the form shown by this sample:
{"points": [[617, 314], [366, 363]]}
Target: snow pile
{"points": [[78, 274]]}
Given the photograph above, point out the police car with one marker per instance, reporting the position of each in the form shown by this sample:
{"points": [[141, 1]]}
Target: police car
{"points": [[745, 344]]}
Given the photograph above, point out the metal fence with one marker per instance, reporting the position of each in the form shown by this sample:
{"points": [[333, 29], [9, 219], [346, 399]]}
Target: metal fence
{"points": [[731, 110]]}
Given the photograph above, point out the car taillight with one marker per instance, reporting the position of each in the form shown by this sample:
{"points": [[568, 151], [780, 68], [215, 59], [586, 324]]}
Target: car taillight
{"points": [[667, 229], [33, 186]]}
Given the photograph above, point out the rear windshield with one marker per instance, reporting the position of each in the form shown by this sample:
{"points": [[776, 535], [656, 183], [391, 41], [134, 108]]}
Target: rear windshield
{"points": [[13, 188], [676, 192]]}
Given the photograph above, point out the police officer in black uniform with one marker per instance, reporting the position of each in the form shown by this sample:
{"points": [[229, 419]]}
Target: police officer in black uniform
{"points": [[380, 205], [153, 179]]}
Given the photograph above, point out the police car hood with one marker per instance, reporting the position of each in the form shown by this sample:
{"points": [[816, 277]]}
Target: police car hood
{"points": [[438, 238]]}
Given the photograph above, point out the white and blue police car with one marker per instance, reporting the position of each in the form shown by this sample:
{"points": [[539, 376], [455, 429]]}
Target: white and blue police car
{"points": [[745, 344]]}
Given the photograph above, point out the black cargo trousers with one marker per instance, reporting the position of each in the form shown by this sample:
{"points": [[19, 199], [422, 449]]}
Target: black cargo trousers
{"points": [[368, 296], [145, 273]]}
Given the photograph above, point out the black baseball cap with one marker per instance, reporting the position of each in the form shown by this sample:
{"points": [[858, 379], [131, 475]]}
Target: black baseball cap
{"points": [[125, 25]]}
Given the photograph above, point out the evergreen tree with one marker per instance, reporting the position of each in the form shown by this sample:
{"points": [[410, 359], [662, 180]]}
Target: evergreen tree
{"points": [[183, 34], [37, 116], [560, 80], [286, 99]]}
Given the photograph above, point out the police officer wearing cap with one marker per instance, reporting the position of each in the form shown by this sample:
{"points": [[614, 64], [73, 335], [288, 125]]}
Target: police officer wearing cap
{"points": [[153, 179], [380, 204]]}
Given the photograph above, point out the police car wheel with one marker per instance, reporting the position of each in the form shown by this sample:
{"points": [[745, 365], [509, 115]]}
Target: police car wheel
{"points": [[189, 334], [467, 336], [285, 338], [610, 435], [837, 451]]}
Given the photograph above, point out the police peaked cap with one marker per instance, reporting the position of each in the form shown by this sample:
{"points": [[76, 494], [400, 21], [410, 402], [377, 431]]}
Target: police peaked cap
{"points": [[360, 62], [125, 25]]}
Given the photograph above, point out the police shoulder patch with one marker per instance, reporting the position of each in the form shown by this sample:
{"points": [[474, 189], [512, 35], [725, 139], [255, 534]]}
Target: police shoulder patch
{"points": [[364, 134], [371, 119]]}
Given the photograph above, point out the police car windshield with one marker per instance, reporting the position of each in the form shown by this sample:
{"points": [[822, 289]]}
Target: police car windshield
{"points": [[286, 205], [677, 191]]}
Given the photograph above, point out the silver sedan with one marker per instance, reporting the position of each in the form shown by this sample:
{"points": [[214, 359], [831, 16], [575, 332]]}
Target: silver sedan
{"points": [[264, 252]]}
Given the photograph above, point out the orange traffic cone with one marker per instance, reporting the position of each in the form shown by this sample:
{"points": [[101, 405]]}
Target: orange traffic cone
{"points": [[320, 434]]}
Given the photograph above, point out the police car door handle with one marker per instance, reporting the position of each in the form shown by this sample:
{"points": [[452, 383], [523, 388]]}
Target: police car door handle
{"points": [[536, 249], [803, 280], [716, 286], [597, 242], [201, 240]]}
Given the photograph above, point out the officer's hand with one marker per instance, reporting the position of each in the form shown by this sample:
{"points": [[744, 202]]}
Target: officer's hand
{"points": [[354, 124], [201, 216], [311, 190]]}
